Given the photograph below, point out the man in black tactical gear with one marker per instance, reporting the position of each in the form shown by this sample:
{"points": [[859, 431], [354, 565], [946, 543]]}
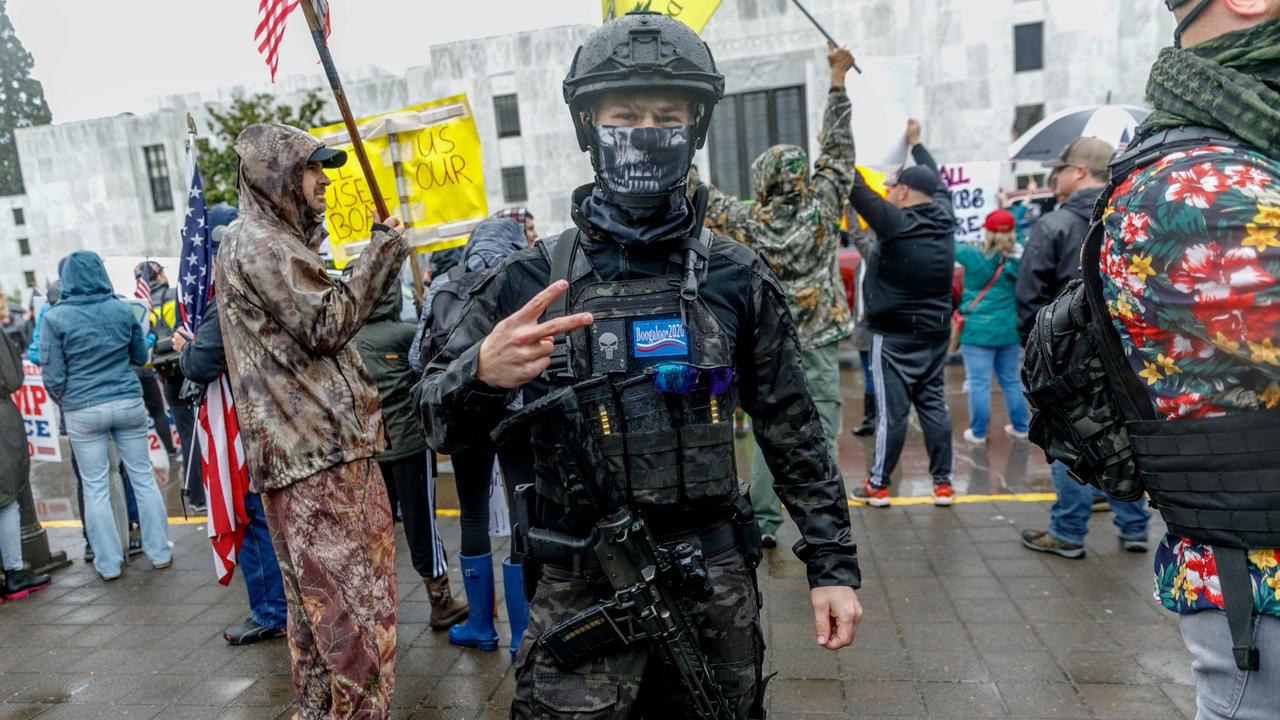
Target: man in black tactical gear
{"points": [[659, 329]]}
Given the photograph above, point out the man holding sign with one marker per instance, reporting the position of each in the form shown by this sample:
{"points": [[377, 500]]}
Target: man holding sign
{"points": [[655, 330], [310, 418]]}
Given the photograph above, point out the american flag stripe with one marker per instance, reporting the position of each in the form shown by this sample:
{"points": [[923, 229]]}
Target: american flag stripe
{"points": [[273, 14], [142, 291], [226, 478]]}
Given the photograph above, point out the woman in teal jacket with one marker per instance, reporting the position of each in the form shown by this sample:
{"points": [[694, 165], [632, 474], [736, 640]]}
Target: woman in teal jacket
{"points": [[989, 338]]}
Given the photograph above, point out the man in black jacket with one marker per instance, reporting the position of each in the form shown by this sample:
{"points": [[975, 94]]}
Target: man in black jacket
{"points": [[203, 359], [908, 299], [1052, 256]]}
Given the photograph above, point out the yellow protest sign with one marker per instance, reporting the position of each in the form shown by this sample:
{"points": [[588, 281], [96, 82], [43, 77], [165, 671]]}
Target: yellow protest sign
{"points": [[694, 13], [426, 160]]}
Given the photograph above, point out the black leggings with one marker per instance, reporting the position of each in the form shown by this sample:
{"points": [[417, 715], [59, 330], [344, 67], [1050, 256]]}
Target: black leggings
{"points": [[471, 472], [153, 398]]}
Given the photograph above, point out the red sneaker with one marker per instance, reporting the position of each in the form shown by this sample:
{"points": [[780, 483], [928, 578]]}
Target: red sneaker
{"points": [[871, 495], [943, 494]]}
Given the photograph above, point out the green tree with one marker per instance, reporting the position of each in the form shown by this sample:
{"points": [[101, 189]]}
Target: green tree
{"points": [[219, 165], [21, 102]]}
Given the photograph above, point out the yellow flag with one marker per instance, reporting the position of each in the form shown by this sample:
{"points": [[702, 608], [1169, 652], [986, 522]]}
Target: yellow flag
{"points": [[875, 180], [694, 13], [434, 162]]}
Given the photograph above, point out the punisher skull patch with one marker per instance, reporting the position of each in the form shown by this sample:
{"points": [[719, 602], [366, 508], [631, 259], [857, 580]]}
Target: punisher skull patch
{"points": [[608, 353], [661, 338]]}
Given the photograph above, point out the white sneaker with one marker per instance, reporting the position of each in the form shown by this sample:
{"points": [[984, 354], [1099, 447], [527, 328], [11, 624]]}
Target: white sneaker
{"points": [[1016, 435], [972, 439]]}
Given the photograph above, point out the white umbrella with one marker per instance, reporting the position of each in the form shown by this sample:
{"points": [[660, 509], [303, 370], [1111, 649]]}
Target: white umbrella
{"points": [[1046, 139]]}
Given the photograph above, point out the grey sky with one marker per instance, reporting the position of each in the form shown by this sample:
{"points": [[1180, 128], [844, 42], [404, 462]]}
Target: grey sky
{"points": [[102, 58]]}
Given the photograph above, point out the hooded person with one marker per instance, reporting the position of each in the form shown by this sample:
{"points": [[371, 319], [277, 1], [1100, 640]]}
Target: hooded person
{"points": [[491, 242], [311, 420], [52, 292], [88, 342], [657, 330], [408, 465], [795, 226]]}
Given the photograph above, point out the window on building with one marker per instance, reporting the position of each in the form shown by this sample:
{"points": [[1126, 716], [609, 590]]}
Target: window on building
{"points": [[30, 277], [507, 109], [1028, 47], [24, 246], [158, 174], [514, 189], [1026, 116], [19, 217], [746, 125]]}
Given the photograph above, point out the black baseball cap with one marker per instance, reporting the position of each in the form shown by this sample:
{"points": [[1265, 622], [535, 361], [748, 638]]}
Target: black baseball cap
{"points": [[920, 178], [328, 157]]}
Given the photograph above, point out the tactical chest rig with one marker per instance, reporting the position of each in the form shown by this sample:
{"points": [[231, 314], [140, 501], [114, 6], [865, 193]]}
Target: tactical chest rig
{"points": [[669, 449], [1214, 480]]}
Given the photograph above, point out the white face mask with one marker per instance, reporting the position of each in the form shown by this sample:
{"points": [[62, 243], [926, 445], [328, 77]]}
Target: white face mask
{"points": [[643, 161]]}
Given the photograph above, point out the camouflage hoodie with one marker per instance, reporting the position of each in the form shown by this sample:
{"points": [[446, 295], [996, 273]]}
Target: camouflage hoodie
{"points": [[795, 224], [303, 397]]}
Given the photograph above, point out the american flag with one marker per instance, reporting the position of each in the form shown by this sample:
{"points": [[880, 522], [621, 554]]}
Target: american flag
{"points": [[193, 267], [142, 290], [226, 479], [272, 16]]}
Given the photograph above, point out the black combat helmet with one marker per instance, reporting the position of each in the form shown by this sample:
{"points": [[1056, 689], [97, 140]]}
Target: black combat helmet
{"points": [[642, 50]]}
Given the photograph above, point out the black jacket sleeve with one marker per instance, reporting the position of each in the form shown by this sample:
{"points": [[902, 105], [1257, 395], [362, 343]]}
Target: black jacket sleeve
{"points": [[775, 393], [922, 156], [204, 359], [883, 217], [1044, 270]]}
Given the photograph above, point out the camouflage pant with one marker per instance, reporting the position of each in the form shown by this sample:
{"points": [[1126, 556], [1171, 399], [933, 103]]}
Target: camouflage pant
{"points": [[636, 683], [333, 536]]}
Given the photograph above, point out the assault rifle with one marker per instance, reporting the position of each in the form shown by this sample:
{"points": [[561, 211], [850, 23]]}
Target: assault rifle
{"points": [[651, 585]]}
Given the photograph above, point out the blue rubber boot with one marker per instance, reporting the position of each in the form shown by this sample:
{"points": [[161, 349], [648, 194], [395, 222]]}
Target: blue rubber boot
{"points": [[517, 607], [477, 579]]}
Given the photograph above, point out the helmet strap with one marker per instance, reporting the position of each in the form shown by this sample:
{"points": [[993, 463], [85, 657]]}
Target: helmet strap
{"points": [[1186, 22]]}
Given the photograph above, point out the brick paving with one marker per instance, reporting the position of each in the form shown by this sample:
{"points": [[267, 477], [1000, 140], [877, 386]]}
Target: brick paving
{"points": [[961, 622]]}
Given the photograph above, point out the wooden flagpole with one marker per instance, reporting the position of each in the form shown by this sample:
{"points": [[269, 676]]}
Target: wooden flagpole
{"points": [[357, 144]]}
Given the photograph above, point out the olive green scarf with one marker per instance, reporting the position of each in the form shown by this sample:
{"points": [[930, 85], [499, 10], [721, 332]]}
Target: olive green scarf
{"points": [[1231, 82]]}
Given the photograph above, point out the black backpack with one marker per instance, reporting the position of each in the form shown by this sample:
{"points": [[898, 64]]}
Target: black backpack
{"points": [[446, 307]]}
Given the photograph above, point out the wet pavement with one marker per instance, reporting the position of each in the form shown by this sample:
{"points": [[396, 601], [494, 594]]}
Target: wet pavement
{"points": [[961, 621]]}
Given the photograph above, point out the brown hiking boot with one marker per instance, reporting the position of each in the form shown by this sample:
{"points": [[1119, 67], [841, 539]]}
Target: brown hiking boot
{"points": [[446, 610]]}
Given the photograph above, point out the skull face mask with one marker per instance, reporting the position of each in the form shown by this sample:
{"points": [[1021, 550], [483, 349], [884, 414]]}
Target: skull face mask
{"points": [[643, 161]]}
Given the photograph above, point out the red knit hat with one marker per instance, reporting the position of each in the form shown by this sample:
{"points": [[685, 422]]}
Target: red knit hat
{"points": [[1000, 221]]}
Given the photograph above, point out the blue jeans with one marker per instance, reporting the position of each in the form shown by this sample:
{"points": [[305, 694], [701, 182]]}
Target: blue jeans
{"points": [[90, 429], [1223, 691], [1069, 517], [868, 383], [11, 536], [261, 570], [979, 365]]}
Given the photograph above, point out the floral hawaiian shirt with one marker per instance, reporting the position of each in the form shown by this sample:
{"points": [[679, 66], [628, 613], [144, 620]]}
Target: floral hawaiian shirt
{"points": [[1190, 265]]}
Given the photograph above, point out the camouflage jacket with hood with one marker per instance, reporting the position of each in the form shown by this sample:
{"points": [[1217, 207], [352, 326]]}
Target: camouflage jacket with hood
{"points": [[303, 397], [795, 224]]}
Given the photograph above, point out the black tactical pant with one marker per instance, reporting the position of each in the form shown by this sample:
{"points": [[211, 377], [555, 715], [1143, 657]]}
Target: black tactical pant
{"points": [[636, 683], [908, 372]]}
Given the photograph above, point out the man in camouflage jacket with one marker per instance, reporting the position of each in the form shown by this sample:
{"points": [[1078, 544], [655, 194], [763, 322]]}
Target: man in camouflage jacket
{"points": [[795, 226], [310, 419]]}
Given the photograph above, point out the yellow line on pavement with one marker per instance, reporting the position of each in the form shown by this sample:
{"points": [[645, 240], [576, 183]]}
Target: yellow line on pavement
{"points": [[970, 499], [196, 520]]}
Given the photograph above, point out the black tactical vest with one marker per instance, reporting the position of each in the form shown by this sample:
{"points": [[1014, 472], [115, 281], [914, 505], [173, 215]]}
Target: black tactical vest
{"points": [[668, 449], [1215, 481]]}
